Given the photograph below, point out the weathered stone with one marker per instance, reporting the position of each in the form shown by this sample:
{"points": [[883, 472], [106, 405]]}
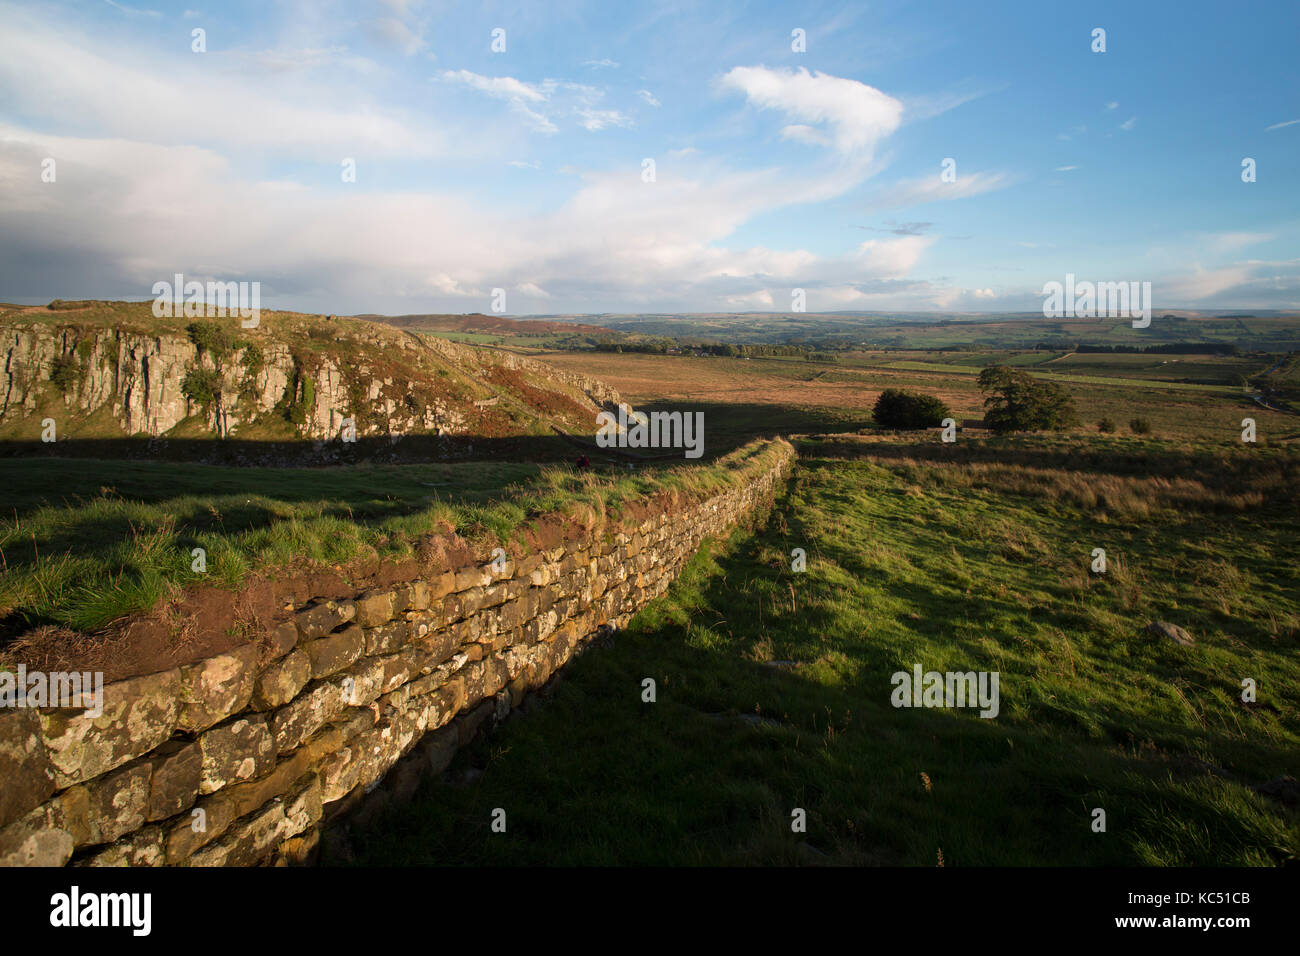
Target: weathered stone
{"points": [[235, 752], [363, 682], [331, 654], [1171, 631], [323, 743], [26, 777], [440, 644], [115, 804], [368, 757], [494, 675], [301, 850], [217, 687], [244, 798], [203, 824], [143, 848], [473, 577], [174, 785], [138, 714], [283, 639], [418, 595], [468, 724], [439, 747], [307, 713], [441, 585], [319, 619], [518, 689], [280, 682], [376, 608], [387, 638], [356, 720], [254, 838], [38, 838], [451, 609]]}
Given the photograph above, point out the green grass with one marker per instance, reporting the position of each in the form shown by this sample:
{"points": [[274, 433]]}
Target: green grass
{"points": [[88, 542], [955, 565]]}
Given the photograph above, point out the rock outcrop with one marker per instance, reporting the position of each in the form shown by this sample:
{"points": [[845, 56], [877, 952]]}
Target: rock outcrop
{"points": [[100, 375]]}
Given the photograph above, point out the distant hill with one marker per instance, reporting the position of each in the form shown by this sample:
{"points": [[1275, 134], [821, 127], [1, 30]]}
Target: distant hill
{"points": [[1264, 330], [478, 322], [111, 370]]}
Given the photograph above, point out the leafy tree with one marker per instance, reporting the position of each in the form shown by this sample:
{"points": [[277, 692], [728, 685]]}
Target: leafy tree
{"points": [[1018, 402], [201, 386], [897, 408], [65, 372], [211, 337]]}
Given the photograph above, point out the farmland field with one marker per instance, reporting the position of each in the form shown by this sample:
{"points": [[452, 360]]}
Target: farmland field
{"points": [[748, 396]]}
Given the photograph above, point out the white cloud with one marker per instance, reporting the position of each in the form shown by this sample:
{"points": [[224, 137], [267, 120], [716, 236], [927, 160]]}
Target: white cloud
{"points": [[107, 91], [648, 97], [164, 142], [931, 188], [516, 92], [1065, 169], [892, 258], [1280, 125], [602, 64], [501, 87], [1203, 283], [601, 119], [124, 212], [805, 134], [1224, 242], [132, 11], [1112, 105], [858, 116], [396, 34], [751, 301], [1129, 123]]}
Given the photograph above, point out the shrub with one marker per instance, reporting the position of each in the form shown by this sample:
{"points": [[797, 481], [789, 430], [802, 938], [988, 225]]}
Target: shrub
{"points": [[299, 398], [1140, 426], [211, 337], [254, 360], [201, 386], [897, 408], [65, 373], [1106, 425], [1019, 402]]}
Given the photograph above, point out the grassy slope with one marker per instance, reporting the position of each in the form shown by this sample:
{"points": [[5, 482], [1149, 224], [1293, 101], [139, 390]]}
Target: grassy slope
{"points": [[955, 567]]}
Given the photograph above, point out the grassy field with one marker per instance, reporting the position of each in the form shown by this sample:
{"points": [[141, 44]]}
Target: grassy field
{"points": [[773, 687]]}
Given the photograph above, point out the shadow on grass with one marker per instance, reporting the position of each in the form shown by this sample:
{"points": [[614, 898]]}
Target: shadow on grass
{"points": [[712, 771]]}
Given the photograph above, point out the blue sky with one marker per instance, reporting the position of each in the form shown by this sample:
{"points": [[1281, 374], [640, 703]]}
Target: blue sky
{"points": [[774, 169]]}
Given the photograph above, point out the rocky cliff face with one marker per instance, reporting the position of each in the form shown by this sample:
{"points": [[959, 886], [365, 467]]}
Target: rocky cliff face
{"points": [[292, 377]]}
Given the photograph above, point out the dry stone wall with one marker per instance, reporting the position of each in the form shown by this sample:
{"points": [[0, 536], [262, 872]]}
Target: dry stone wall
{"points": [[245, 758]]}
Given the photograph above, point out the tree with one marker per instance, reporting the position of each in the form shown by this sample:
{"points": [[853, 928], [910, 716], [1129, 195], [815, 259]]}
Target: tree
{"points": [[897, 408], [1018, 402]]}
